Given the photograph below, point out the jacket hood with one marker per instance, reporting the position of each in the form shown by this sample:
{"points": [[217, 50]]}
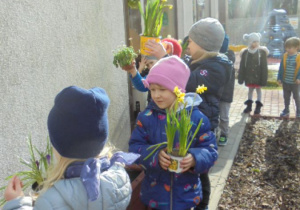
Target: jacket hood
{"points": [[191, 100], [260, 48], [115, 191]]}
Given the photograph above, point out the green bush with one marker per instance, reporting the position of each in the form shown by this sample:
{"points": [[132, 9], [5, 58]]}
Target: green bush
{"points": [[272, 80]]}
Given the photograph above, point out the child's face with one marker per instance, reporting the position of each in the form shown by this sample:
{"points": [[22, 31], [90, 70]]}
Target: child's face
{"points": [[163, 97], [254, 45], [291, 50], [150, 63], [194, 49]]}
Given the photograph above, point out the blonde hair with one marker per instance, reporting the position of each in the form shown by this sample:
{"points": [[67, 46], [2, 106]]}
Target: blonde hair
{"points": [[57, 170]]}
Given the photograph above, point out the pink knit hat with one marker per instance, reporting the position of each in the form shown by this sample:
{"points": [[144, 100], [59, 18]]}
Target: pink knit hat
{"points": [[169, 72]]}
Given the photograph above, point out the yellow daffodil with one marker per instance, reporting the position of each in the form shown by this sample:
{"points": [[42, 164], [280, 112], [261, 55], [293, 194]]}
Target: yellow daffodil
{"points": [[180, 95], [180, 100], [201, 89], [176, 91]]}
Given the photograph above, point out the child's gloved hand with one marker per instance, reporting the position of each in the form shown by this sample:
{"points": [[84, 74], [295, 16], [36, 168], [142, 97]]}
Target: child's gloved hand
{"points": [[187, 163], [164, 159], [298, 81], [279, 82], [13, 189]]}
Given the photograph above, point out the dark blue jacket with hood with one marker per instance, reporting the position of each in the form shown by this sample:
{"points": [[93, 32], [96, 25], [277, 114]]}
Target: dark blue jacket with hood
{"points": [[213, 72]]}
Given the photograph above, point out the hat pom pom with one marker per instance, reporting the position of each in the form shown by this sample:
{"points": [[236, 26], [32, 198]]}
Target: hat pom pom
{"points": [[246, 37], [259, 35], [146, 84]]}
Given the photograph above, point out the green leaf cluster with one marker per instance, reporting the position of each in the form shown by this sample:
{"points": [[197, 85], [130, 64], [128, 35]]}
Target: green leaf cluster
{"points": [[124, 56], [153, 16], [37, 166], [184, 46], [180, 122]]}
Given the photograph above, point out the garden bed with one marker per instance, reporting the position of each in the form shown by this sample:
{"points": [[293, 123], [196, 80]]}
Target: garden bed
{"points": [[266, 169]]}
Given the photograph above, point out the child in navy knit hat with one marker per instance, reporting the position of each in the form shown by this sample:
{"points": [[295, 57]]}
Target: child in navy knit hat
{"points": [[85, 175], [162, 189]]}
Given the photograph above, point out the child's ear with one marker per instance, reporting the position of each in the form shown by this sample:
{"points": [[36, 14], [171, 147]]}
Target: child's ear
{"points": [[169, 47]]}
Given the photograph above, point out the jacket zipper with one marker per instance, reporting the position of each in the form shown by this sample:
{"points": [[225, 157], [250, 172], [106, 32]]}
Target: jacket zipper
{"points": [[171, 192]]}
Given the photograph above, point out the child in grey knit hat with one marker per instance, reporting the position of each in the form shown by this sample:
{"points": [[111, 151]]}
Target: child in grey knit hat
{"points": [[212, 69], [208, 67]]}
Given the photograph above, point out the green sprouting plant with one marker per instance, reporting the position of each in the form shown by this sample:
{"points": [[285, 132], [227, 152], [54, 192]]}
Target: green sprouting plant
{"points": [[184, 46], [153, 16], [37, 167], [124, 56]]}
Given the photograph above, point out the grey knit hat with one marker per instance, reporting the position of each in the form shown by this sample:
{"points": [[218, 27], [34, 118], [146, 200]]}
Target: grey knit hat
{"points": [[208, 33]]}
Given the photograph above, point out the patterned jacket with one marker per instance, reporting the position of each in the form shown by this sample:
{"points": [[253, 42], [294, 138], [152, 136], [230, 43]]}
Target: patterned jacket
{"points": [[162, 189]]}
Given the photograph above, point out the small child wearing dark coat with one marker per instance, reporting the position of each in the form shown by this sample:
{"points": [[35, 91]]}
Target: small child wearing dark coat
{"points": [[253, 70], [227, 95]]}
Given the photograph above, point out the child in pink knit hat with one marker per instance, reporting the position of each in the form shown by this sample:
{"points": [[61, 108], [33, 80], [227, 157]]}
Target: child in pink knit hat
{"points": [[162, 189]]}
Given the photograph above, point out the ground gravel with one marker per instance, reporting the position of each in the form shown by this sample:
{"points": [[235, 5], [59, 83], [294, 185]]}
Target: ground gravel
{"points": [[266, 170]]}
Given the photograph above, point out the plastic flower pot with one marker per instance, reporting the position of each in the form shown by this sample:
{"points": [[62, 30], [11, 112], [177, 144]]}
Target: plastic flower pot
{"points": [[175, 162], [127, 67], [144, 39]]}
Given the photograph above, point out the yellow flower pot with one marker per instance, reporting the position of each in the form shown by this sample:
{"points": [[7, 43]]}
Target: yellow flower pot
{"points": [[144, 39]]}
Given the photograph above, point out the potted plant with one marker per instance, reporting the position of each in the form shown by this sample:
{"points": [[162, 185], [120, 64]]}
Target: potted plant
{"points": [[124, 57], [38, 166], [153, 20], [178, 122]]}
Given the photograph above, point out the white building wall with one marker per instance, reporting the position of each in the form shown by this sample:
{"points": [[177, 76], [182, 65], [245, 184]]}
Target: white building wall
{"points": [[185, 17], [46, 46]]}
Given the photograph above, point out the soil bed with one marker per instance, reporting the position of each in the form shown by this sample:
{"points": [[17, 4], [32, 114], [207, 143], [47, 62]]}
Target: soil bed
{"points": [[266, 169]]}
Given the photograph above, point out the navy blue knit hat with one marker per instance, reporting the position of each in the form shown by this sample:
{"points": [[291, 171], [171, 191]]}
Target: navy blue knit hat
{"points": [[77, 123], [225, 44]]}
